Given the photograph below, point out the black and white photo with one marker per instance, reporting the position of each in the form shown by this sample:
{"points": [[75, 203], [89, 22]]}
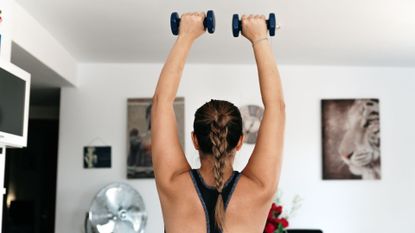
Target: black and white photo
{"points": [[351, 139], [139, 162], [97, 157]]}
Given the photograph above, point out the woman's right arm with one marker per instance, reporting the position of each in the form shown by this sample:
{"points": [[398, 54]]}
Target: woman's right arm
{"points": [[265, 162]]}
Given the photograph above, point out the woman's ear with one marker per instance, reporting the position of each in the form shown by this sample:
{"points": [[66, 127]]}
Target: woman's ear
{"points": [[194, 140], [240, 142]]}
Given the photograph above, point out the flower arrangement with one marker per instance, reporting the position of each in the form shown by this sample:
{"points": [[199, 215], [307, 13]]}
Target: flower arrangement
{"points": [[277, 220]]}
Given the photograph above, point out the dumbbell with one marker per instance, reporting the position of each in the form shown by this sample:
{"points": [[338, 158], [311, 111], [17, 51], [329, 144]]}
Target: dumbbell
{"points": [[208, 22], [237, 25]]}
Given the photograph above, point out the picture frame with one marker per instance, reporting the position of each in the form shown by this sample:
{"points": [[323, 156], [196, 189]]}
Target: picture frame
{"points": [[139, 159], [351, 139]]}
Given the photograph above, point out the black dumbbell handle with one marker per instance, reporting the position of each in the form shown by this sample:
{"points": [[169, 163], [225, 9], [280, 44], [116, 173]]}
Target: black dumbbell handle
{"points": [[204, 22]]}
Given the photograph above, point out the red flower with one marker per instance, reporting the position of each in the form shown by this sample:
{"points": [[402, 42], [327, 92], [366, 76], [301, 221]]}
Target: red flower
{"points": [[276, 208], [273, 222], [270, 228], [283, 222], [274, 212]]}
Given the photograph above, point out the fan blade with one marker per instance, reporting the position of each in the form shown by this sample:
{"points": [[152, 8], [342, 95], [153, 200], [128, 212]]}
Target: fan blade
{"points": [[100, 218], [137, 219], [123, 227], [106, 228]]}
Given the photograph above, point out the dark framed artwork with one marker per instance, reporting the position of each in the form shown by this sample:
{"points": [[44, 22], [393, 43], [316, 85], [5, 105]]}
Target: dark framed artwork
{"points": [[139, 160], [97, 157], [351, 139]]}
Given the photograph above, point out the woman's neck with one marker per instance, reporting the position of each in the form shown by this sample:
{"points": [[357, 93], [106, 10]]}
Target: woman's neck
{"points": [[206, 170]]}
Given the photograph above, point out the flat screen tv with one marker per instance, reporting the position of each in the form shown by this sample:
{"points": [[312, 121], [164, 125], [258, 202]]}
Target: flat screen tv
{"points": [[14, 105]]}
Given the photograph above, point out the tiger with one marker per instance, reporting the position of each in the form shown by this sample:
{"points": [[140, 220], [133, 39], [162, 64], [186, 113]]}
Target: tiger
{"points": [[360, 145]]}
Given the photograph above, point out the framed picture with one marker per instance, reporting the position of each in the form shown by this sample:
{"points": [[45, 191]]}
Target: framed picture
{"points": [[251, 118], [351, 139], [97, 157], [139, 160]]}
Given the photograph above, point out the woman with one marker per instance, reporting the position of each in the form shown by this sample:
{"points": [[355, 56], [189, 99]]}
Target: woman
{"points": [[194, 200]]}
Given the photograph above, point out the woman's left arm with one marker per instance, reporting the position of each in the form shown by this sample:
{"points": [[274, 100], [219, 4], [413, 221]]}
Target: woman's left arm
{"points": [[168, 156]]}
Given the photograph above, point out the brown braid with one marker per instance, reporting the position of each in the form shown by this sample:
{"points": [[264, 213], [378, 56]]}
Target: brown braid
{"points": [[218, 128], [219, 132]]}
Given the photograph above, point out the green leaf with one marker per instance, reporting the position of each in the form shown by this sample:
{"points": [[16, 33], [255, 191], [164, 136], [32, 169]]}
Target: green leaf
{"points": [[280, 229]]}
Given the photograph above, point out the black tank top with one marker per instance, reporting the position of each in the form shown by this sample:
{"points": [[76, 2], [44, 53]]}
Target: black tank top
{"points": [[208, 196]]}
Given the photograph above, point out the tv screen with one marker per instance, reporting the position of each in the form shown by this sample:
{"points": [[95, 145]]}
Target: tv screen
{"points": [[12, 103]]}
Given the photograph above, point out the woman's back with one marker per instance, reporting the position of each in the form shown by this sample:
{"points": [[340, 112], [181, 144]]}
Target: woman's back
{"points": [[189, 210], [187, 204]]}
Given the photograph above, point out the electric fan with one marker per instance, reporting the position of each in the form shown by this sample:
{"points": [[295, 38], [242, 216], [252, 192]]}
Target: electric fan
{"points": [[117, 208]]}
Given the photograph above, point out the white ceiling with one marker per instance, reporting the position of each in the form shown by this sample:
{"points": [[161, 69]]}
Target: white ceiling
{"points": [[328, 32]]}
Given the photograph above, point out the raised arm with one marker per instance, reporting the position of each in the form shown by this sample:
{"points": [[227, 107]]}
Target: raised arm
{"points": [[168, 156], [265, 163]]}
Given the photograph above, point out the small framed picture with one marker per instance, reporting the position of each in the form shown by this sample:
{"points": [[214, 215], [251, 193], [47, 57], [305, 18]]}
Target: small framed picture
{"points": [[97, 157]]}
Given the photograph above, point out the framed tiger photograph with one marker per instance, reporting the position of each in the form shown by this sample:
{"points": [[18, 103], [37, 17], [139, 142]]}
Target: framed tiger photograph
{"points": [[351, 139]]}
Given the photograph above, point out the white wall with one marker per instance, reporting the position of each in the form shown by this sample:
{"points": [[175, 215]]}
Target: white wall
{"points": [[97, 108]]}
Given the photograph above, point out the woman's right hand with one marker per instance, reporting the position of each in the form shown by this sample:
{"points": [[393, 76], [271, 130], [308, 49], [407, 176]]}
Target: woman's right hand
{"points": [[254, 27], [191, 25]]}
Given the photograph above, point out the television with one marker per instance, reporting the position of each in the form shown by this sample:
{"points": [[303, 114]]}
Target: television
{"points": [[14, 105]]}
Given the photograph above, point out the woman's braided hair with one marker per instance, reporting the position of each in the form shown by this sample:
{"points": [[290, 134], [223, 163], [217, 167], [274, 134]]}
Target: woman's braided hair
{"points": [[218, 128]]}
